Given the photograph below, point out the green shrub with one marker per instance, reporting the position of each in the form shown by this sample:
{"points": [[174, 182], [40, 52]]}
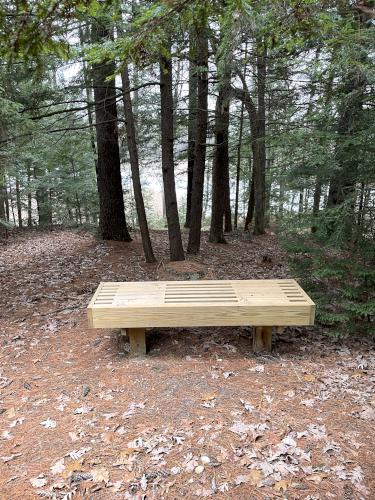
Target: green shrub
{"points": [[341, 283]]}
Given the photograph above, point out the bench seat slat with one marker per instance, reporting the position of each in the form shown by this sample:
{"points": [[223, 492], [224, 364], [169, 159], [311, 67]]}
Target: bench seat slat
{"points": [[200, 303]]}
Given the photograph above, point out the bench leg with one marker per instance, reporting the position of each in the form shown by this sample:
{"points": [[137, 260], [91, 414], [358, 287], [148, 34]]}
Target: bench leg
{"points": [[122, 337], [262, 339], [137, 338]]}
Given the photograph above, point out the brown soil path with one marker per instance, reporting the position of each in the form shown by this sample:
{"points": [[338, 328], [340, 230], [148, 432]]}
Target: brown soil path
{"points": [[200, 416]]}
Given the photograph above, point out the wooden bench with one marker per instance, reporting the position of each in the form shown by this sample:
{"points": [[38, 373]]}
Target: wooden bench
{"points": [[134, 306]]}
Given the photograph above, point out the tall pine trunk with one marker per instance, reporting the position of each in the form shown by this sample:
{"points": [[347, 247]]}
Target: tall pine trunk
{"points": [[191, 129], [112, 222], [200, 142], [7, 208], [250, 205], [342, 188], [317, 195], [257, 117], [42, 201], [86, 79], [166, 115], [238, 167], [259, 162], [2, 196], [18, 202], [228, 228], [29, 198], [300, 202], [342, 185], [134, 165], [220, 167]]}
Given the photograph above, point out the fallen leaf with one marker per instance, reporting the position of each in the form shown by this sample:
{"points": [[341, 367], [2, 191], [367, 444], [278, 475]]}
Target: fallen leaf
{"points": [[75, 466], [73, 436], [316, 478], [108, 437], [143, 483], [10, 413], [38, 482], [123, 458], [49, 423], [240, 428], [117, 485], [100, 474], [10, 457], [209, 396], [58, 467], [257, 369], [199, 469], [368, 413], [308, 402], [309, 378], [76, 454], [282, 485], [254, 478], [83, 410], [6, 435]]}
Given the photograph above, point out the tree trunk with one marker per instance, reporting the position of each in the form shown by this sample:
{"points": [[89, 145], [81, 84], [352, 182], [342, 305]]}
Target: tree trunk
{"points": [[344, 178], [166, 115], [2, 196], [200, 142], [258, 131], [220, 167], [281, 194], [112, 222], [134, 164], [300, 202], [250, 206], [88, 91], [306, 200], [228, 228], [361, 204], [238, 167], [193, 81], [10, 201], [29, 199], [77, 200], [259, 161], [317, 195], [43, 202], [7, 209], [206, 192], [18, 202]]}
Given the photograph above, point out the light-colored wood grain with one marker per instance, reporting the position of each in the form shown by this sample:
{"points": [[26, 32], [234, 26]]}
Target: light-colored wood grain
{"points": [[137, 338], [262, 339], [200, 303]]}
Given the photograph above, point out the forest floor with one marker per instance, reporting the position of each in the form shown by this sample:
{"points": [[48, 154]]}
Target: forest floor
{"points": [[199, 416]]}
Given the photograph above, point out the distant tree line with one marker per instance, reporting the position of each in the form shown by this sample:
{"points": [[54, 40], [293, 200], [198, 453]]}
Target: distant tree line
{"points": [[269, 104]]}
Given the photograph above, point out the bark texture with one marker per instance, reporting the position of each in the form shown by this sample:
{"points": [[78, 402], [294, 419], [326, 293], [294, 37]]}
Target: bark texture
{"points": [[220, 167], [112, 222], [134, 164], [200, 142], [191, 130], [166, 100]]}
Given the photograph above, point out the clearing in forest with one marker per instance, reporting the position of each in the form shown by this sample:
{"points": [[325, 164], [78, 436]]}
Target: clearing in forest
{"points": [[200, 416]]}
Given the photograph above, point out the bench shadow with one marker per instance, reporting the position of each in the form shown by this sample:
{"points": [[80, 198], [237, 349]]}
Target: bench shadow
{"points": [[236, 343]]}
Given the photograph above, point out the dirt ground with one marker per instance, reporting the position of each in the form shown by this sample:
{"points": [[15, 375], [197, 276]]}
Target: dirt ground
{"points": [[199, 416]]}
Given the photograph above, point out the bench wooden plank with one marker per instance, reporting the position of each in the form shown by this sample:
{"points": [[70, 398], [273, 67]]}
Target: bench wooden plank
{"points": [[200, 303]]}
